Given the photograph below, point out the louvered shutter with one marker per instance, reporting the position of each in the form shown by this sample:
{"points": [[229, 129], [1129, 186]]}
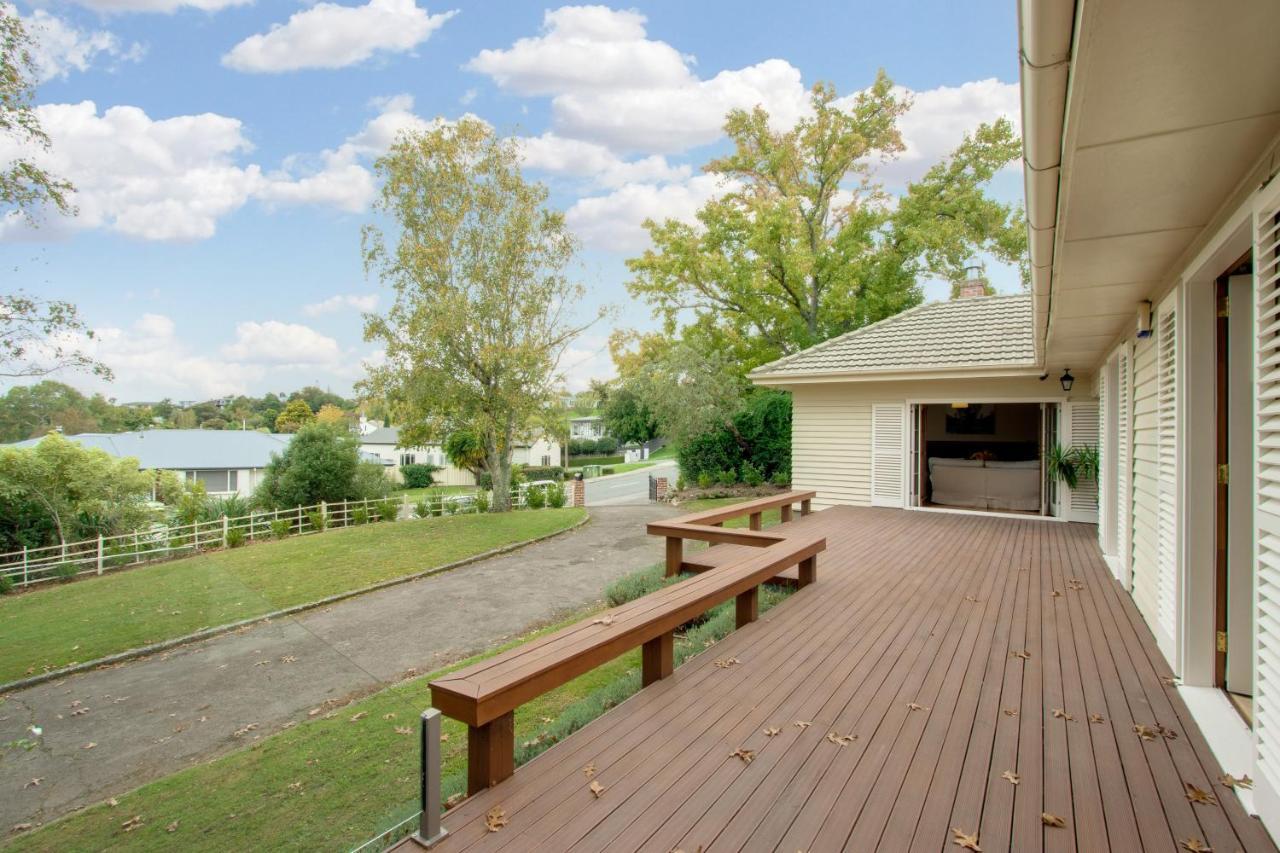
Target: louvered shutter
{"points": [[1266, 272], [1124, 462], [887, 470], [1105, 489], [1080, 428], [1167, 466]]}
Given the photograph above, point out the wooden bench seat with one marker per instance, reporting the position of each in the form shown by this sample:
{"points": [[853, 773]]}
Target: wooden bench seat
{"points": [[486, 694], [721, 555]]}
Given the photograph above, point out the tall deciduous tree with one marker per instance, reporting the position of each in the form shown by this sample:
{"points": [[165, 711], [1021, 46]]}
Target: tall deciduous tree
{"points": [[805, 243], [295, 415], [482, 298]]}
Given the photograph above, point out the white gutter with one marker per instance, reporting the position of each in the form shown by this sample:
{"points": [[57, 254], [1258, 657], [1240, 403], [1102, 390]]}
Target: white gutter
{"points": [[1044, 33]]}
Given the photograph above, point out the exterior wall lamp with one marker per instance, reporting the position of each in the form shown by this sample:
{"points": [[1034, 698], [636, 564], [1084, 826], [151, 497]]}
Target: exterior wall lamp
{"points": [[1067, 380]]}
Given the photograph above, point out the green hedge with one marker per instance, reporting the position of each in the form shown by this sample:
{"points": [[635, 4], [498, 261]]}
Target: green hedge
{"points": [[757, 449], [418, 476]]}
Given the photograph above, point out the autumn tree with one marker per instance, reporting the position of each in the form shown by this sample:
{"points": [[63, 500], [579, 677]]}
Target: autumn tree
{"points": [[483, 302], [331, 414], [805, 243], [295, 415]]}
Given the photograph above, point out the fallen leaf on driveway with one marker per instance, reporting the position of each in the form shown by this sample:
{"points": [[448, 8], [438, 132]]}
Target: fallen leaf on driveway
{"points": [[89, 745], [960, 838], [495, 819], [34, 783], [1052, 820], [20, 827]]}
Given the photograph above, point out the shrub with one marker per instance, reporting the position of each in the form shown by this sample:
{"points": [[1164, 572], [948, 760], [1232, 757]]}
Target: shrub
{"points": [[631, 586], [727, 477], [421, 509], [235, 537], [450, 507], [535, 498], [760, 434], [781, 478], [681, 485], [6, 584], [482, 502], [706, 480], [418, 476], [65, 572], [555, 496], [359, 515], [751, 475], [388, 510], [485, 481], [317, 519], [280, 527], [542, 472], [435, 503]]}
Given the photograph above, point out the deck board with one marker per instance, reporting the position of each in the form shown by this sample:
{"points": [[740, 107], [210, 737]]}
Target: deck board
{"points": [[908, 607]]}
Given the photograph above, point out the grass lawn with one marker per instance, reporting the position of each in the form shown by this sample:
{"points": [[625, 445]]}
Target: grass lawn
{"points": [[576, 462], [668, 451], [338, 780], [61, 624], [768, 518], [619, 469]]}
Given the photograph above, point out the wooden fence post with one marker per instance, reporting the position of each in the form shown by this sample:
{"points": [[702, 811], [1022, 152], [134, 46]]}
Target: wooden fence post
{"points": [[99, 553], [25, 567], [299, 519], [224, 530]]}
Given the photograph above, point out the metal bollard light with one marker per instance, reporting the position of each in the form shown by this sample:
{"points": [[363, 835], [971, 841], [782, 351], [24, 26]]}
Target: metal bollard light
{"points": [[430, 832]]}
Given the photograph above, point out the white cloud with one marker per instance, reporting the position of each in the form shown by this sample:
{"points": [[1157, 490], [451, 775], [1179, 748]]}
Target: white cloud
{"points": [[327, 35], [611, 84], [163, 6], [588, 358], [578, 158], [615, 221], [276, 343], [363, 302], [60, 47]]}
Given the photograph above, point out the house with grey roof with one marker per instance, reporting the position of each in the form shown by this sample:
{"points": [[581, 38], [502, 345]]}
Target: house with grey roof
{"points": [[228, 462], [944, 406]]}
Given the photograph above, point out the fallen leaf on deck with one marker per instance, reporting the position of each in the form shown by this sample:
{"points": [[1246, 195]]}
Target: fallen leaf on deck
{"points": [[1021, 653], [970, 598], [596, 788], [1145, 732], [606, 619], [1011, 777], [495, 819], [1097, 718], [1168, 734], [34, 783], [1229, 781], [1010, 712], [1059, 714], [841, 740], [1199, 795], [1052, 820], [725, 663], [1168, 679], [1195, 845], [916, 707], [89, 745], [747, 755], [403, 730], [173, 827], [1057, 593], [359, 716], [132, 823], [773, 731], [802, 724], [589, 770], [962, 839]]}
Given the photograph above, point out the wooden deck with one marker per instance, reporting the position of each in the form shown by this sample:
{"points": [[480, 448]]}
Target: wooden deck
{"points": [[936, 654]]}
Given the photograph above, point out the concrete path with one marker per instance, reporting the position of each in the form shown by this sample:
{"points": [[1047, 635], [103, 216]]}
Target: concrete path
{"points": [[151, 717], [628, 489]]}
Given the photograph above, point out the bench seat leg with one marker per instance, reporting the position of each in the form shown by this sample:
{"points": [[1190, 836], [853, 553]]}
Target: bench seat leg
{"points": [[808, 571], [755, 521], [491, 753], [657, 659], [675, 555], [785, 512], [748, 609]]}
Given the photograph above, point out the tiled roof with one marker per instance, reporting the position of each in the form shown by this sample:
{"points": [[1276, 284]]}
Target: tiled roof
{"points": [[982, 331]]}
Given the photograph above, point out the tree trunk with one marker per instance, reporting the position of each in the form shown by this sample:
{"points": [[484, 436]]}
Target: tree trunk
{"points": [[500, 469]]}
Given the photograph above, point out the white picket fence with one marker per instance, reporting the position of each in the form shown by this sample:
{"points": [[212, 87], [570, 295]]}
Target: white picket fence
{"points": [[160, 541]]}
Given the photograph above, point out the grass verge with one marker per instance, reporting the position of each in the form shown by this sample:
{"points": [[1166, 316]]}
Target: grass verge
{"points": [[338, 780], [56, 626]]}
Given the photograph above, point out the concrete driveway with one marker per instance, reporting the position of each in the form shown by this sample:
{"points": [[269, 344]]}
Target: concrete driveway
{"points": [[629, 489], [151, 717]]}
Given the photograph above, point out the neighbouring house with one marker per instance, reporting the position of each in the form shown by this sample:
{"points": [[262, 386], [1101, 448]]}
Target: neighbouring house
{"points": [[228, 462], [384, 443], [586, 427], [536, 449], [1151, 149]]}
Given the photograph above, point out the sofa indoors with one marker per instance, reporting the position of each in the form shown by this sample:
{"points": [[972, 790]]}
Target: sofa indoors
{"points": [[991, 485]]}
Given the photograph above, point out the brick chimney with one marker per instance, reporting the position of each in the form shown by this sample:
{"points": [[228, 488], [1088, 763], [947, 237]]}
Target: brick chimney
{"points": [[974, 283]]}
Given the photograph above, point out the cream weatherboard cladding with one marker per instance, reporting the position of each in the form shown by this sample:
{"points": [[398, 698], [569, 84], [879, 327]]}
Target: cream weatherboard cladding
{"points": [[887, 454], [1266, 263], [831, 445], [1167, 465]]}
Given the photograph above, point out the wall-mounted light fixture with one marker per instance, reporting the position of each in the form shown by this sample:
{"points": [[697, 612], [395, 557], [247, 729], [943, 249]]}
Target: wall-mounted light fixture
{"points": [[1067, 380]]}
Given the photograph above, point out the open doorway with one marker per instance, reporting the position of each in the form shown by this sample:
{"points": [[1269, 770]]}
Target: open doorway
{"points": [[978, 456], [1233, 544]]}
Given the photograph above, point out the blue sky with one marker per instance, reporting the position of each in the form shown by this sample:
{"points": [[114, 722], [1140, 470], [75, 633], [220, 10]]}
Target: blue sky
{"points": [[222, 149]]}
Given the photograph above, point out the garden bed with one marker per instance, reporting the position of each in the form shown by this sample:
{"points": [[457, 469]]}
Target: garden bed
{"points": [[737, 490]]}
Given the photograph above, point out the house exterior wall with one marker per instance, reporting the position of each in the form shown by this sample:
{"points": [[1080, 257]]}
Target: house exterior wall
{"points": [[831, 430], [541, 451], [448, 475]]}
